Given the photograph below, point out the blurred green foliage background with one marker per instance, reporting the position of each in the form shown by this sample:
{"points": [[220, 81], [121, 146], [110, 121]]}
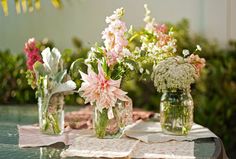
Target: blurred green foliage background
{"points": [[214, 94]]}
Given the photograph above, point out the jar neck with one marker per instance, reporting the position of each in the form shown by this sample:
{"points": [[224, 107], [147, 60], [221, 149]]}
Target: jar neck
{"points": [[177, 91]]}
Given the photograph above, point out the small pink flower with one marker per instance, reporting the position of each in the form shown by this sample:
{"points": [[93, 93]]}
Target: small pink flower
{"points": [[32, 53], [198, 62], [118, 26], [111, 57], [163, 39], [161, 28], [120, 43], [97, 88], [30, 46]]}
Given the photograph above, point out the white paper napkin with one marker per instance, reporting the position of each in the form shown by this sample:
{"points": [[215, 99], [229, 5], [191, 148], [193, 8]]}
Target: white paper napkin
{"points": [[150, 132]]}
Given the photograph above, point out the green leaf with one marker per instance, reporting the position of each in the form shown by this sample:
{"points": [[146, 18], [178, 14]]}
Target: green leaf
{"points": [[18, 8], [24, 5], [76, 66], [27, 4], [60, 75], [5, 7], [118, 72], [30, 5], [39, 69], [105, 67], [37, 4], [56, 3]]}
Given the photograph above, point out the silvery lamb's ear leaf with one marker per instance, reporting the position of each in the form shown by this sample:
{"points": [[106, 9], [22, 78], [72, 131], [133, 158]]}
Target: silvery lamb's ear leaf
{"points": [[39, 68], [46, 54], [56, 55], [64, 87], [51, 59], [60, 75]]}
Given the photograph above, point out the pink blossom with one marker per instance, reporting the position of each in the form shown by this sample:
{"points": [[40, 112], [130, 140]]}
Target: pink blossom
{"points": [[120, 43], [111, 57], [113, 35], [198, 62], [118, 27], [32, 53], [109, 38], [114, 40], [30, 46], [116, 15], [97, 88], [163, 39], [161, 28]]}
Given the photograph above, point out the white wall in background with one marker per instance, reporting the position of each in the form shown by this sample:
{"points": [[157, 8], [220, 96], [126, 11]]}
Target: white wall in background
{"points": [[86, 19], [232, 20]]}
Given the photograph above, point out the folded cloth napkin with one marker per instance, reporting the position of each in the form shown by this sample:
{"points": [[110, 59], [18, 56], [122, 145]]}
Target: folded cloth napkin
{"points": [[150, 132], [30, 136], [90, 146]]}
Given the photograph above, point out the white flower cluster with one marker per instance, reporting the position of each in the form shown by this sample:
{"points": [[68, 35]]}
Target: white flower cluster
{"points": [[174, 73], [157, 41], [156, 51]]}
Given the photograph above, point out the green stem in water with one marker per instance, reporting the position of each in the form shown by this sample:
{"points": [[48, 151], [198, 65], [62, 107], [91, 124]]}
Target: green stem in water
{"points": [[101, 123]]}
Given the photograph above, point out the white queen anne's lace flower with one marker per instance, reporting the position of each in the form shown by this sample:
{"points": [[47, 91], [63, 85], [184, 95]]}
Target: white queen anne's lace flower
{"points": [[174, 73], [157, 40]]}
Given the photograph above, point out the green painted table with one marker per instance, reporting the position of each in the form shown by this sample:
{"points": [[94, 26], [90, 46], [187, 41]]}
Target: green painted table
{"points": [[11, 116]]}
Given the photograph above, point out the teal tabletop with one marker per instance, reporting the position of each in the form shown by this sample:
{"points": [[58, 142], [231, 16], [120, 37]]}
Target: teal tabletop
{"points": [[11, 116]]}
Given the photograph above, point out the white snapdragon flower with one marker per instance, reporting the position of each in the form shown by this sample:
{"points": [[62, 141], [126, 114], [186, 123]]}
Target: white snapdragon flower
{"points": [[147, 71], [199, 48], [131, 67], [185, 52], [141, 70]]}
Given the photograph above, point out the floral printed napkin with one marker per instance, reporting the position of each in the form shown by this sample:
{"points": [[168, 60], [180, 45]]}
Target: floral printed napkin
{"points": [[90, 146], [171, 149]]}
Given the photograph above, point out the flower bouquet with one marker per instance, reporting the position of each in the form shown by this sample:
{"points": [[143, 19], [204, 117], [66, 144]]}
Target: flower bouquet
{"points": [[157, 43], [172, 75], [173, 78], [106, 66], [47, 75]]}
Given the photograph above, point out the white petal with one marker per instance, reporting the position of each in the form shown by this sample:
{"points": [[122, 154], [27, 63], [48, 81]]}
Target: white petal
{"points": [[110, 113]]}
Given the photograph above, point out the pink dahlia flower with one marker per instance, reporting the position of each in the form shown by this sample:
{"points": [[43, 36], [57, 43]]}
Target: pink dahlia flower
{"points": [[98, 89], [32, 53]]}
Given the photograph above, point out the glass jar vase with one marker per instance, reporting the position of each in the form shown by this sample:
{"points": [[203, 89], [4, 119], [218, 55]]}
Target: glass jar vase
{"points": [[51, 114], [112, 128], [176, 112]]}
